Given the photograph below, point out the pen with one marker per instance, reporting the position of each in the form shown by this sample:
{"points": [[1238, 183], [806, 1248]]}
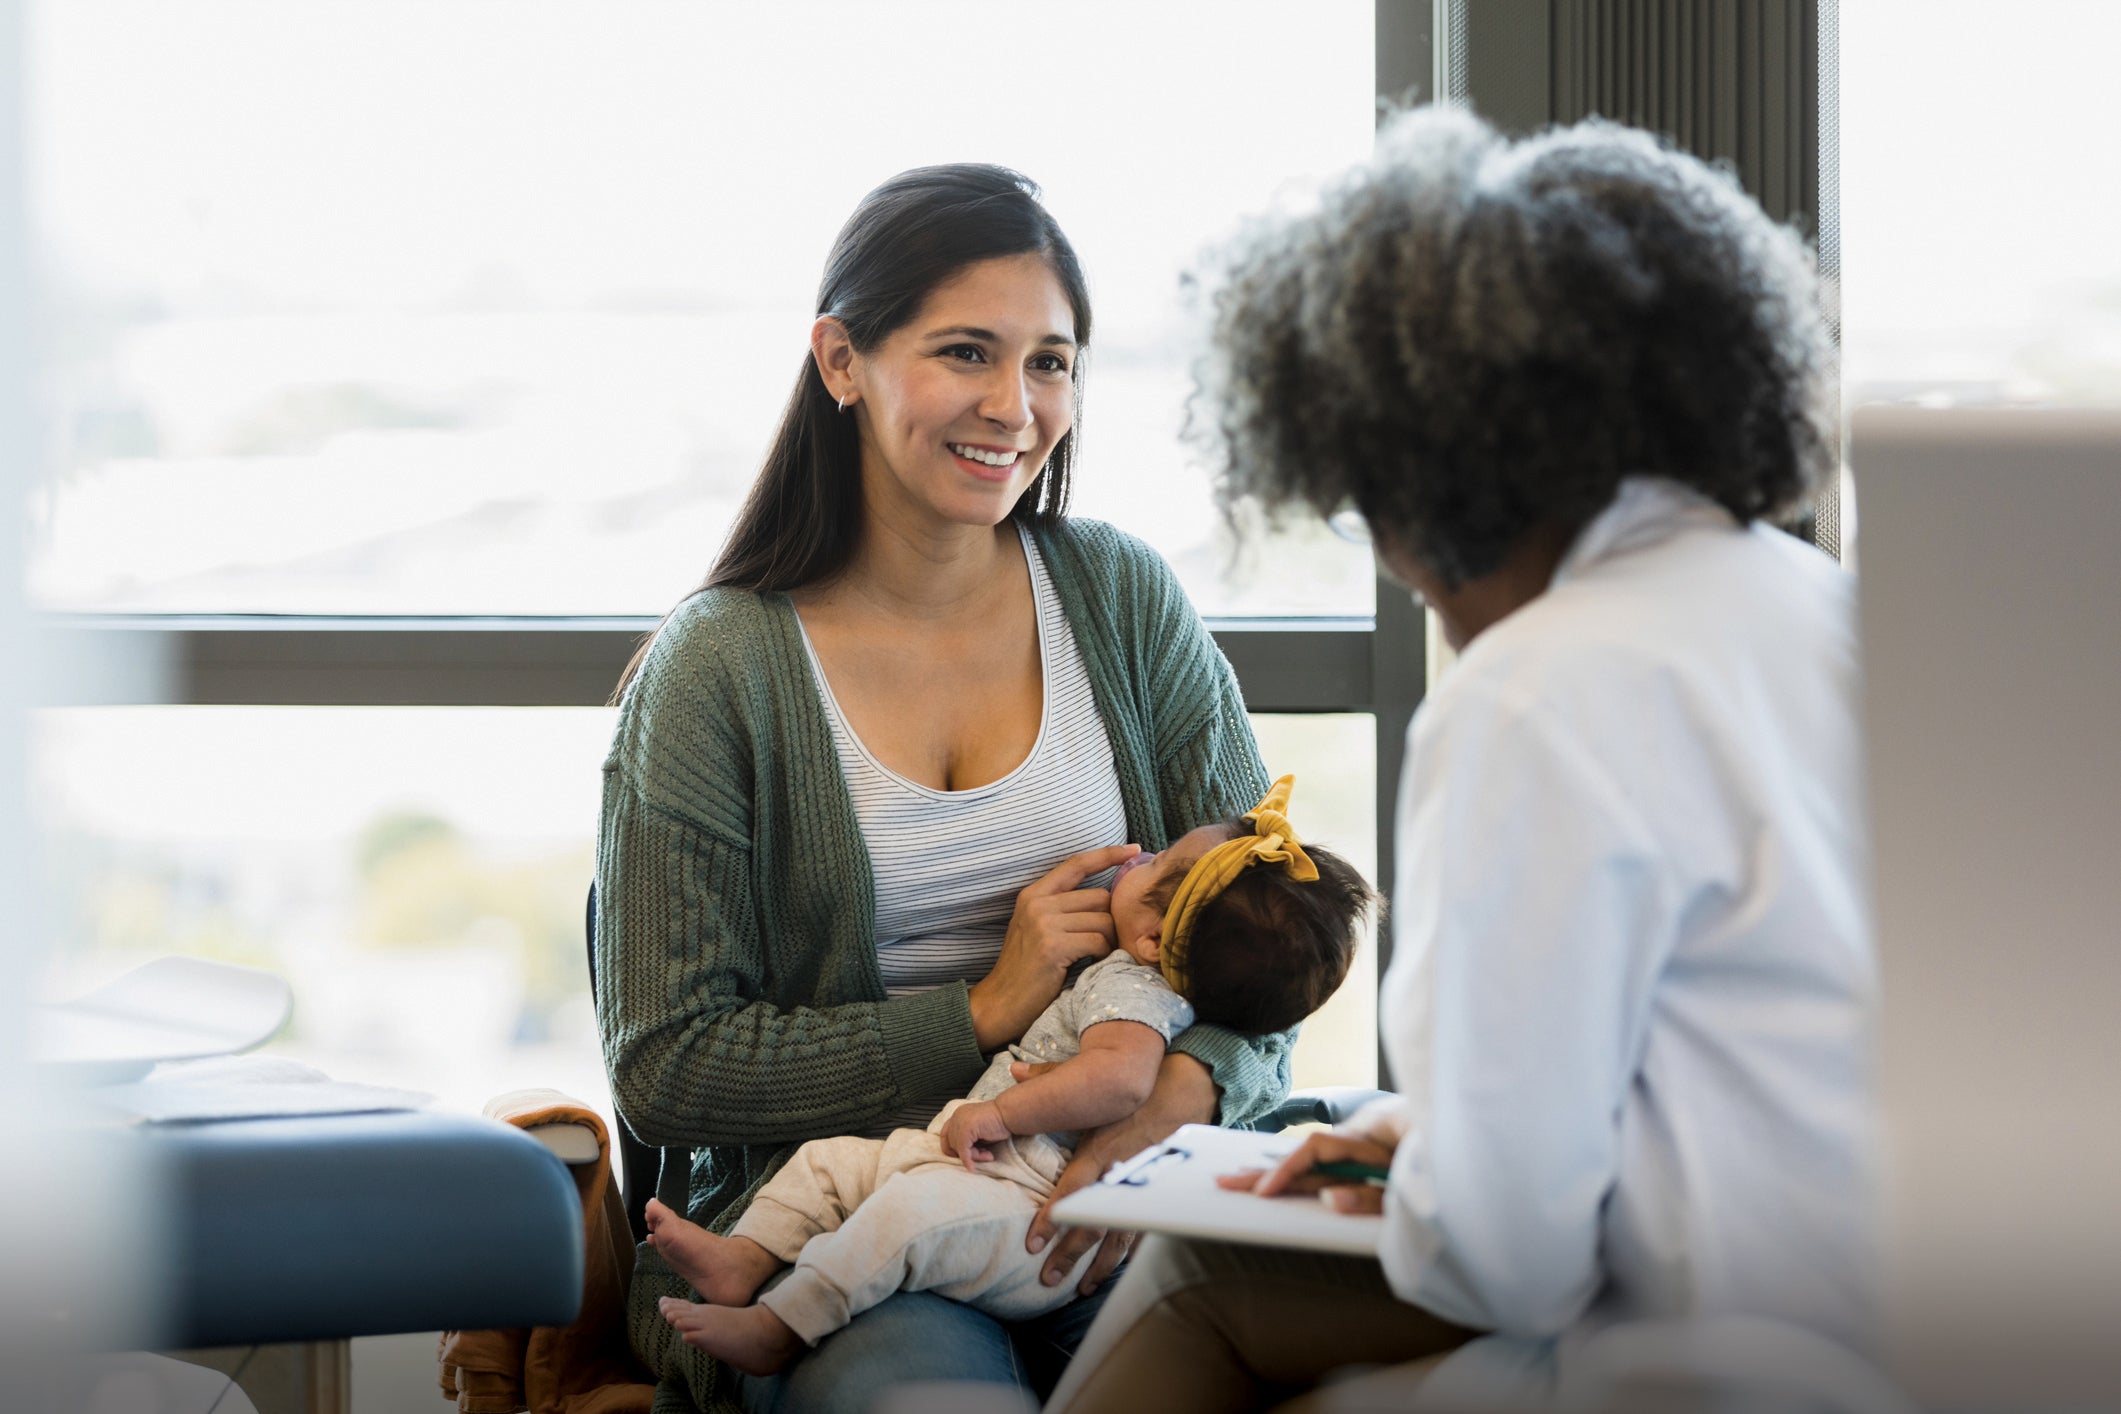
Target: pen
{"points": [[1362, 1173]]}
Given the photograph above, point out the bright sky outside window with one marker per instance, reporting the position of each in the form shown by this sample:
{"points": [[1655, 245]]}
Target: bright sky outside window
{"points": [[1981, 221], [437, 306]]}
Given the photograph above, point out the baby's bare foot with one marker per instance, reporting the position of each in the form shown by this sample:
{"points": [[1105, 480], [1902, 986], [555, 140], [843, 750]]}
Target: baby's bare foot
{"points": [[727, 1271], [751, 1338]]}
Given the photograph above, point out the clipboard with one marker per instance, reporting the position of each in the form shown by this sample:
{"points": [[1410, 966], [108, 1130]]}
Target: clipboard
{"points": [[1170, 1187]]}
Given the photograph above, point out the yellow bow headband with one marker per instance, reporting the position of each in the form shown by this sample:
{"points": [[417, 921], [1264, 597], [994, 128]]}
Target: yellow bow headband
{"points": [[1273, 841]]}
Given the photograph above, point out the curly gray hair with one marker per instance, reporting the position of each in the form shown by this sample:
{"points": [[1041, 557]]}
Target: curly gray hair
{"points": [[1472, 337]]}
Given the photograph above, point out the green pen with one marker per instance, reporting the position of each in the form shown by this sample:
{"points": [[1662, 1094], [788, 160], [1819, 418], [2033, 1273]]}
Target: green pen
{"points": [[1361, 1173]]}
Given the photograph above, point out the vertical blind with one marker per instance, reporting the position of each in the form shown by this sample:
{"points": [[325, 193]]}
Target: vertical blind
{"points": [[1748, 83]]}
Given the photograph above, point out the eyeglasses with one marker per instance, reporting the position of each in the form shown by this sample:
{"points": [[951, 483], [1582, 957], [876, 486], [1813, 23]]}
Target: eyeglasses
{"points": [[1348, 524]]}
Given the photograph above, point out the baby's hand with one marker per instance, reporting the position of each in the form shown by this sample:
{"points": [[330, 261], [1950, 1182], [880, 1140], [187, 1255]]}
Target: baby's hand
{"points": [[972, 1131]]}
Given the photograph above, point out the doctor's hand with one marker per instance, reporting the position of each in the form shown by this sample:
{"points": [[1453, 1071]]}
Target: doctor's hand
{"points": [[1300, 1173], [1057, 923]]}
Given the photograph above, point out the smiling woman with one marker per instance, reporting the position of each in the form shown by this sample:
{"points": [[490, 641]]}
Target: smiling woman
{"points": [[958, 414], [959, 411], [870, 779], [889, 268]]}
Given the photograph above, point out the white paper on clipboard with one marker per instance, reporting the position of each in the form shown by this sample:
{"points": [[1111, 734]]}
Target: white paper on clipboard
{"points": [[1170, 1187]]}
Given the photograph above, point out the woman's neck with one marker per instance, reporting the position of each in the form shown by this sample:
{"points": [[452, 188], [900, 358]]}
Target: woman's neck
{"points": [[928, 572]]}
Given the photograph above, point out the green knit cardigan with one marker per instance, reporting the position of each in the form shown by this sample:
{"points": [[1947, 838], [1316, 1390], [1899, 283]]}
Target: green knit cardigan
{"points": [[738, 992]]}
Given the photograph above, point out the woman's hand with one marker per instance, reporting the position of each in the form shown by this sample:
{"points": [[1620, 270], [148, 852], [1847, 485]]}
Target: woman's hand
{"points": [[1056, 924], [1299, 1173], [972, 1131], [1185, 1093]]}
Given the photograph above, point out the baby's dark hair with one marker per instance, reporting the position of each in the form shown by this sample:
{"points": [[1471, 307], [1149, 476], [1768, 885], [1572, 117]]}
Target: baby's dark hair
{"points": [[1267, 951]]}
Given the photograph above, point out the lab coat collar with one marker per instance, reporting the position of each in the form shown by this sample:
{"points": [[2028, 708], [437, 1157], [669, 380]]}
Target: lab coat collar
{"points": [[1645, 511]]}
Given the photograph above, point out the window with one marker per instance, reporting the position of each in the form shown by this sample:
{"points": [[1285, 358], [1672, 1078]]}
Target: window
{"points": [[1981, 226], [417, 874], [442, 307]]}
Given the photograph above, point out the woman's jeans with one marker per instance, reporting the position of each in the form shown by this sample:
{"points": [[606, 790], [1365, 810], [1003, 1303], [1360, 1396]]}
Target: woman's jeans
{"points": [[916, 1336]]}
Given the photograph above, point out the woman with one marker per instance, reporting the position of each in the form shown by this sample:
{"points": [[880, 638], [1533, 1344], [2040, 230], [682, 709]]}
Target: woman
{"points": [[864, 778], [1563, 382]]}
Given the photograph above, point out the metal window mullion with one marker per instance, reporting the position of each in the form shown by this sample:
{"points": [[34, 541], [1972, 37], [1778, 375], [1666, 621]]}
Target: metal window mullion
{"points": [[1413, 40], [1282, 665]]}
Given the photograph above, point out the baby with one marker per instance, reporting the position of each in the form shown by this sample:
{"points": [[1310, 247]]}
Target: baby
{"points": [[1237, 923]]}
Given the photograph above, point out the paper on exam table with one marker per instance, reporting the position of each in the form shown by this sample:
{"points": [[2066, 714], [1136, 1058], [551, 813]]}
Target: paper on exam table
{"points": [[241, 1087], [173, 1008], [1170, 1187]]}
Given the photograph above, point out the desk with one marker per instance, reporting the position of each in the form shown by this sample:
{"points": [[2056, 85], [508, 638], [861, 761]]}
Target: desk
{"points": [[321, 1228]]}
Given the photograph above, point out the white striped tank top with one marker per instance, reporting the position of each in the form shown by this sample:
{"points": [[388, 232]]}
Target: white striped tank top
{"points": [[949, 864]]}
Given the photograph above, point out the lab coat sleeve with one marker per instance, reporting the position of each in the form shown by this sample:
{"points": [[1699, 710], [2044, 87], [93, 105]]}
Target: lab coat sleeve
{"points": [[1534, 913]]}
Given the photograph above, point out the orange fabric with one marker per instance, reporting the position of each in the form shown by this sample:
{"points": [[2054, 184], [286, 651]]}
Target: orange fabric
{"points": [[584, 1368]]}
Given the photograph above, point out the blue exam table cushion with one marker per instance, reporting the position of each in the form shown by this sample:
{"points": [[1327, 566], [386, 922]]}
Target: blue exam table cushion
{"points": [[331, 1226]]}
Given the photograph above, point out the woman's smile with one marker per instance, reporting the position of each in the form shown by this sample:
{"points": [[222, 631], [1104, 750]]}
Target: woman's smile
{"points": [[988, 463]]}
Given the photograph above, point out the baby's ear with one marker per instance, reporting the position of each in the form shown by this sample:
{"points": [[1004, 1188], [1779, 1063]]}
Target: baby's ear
{"points": [[1152, 945]]}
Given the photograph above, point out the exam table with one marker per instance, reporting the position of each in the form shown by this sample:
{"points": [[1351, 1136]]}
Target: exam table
{"points": [[301, 1233], [297, 1213]]}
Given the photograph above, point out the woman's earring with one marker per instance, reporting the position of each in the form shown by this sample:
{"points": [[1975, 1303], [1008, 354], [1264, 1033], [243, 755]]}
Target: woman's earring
{"points": [[843, 402]]}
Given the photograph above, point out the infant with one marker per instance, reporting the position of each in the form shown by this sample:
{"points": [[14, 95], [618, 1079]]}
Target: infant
{"points": [[1237, 923]]}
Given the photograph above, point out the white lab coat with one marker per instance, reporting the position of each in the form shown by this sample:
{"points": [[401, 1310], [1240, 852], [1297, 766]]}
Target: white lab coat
{"points": [[1631, 1002]]}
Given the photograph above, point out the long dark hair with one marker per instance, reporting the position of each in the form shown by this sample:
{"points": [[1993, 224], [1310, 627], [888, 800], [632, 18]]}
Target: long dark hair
{"points": [[803, 518]]}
